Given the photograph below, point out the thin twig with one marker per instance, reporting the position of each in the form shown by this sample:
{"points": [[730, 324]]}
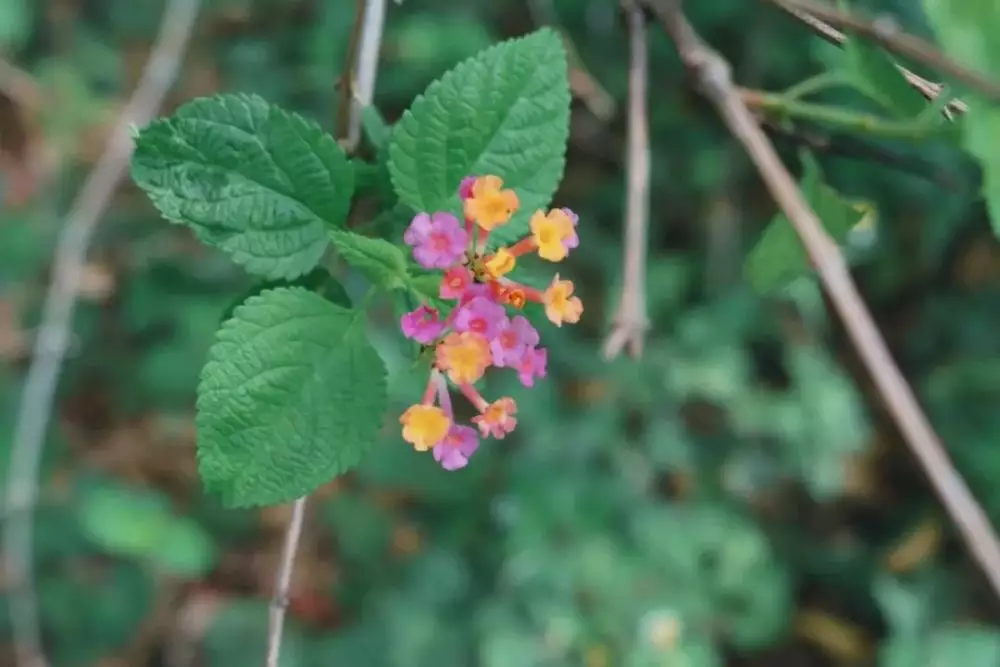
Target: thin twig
{"points": [[20, 86], [282, 581], [346, 82], [713, 75], [54, 335], [366, 68], [631, 320], [928, 89], [825, 19]]}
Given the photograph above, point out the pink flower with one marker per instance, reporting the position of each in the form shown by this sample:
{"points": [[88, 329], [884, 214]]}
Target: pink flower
{"points": [[465, 187], [439, 240], [497, 418], [574, 240], [457, 447], [423, 325], [457, 280], [480, 315], [515, 338], [532, 364]]}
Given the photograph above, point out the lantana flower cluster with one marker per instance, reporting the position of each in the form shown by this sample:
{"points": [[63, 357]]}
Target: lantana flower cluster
{"points": [[484, 329]]}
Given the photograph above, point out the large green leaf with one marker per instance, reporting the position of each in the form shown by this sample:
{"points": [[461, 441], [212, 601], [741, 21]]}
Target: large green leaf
{"points": [[292, 395], [967, 32], [503, 112], [258, 182]]}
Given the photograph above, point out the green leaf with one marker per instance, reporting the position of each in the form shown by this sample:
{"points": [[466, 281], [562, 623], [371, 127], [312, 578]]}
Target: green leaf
{"points": [[957, 645], [503, 112], [380, 261], [123, 521], [875, 73], [376, 130], [778, 258], [292, 395], [258, 182], [185, 550], [967, 32], [318, 280]]}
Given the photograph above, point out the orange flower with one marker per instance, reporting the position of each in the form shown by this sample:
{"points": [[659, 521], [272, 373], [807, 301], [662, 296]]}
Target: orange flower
{"points": [[497, 418], [490, 205], [560, 305], [464, 356], [424, 426]]}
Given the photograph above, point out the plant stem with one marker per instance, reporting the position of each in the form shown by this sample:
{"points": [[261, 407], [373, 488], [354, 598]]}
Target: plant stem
{"points": [[816, 84], [864, 123]]}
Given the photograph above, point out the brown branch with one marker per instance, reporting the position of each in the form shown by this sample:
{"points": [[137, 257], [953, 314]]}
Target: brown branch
{"points": [[825, 19], [54, 334], [714, 79], [631, 321], [928, 89]]}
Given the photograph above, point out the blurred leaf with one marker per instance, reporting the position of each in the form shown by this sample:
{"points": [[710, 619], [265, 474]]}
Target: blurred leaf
{"points": [[969, 645], [185, 550], [504, 112], [15, 24], [292, 395], [874, 72], [721, 566], [779, 256], [129, 522], [967, 34], [258, 182], [238, 637]]}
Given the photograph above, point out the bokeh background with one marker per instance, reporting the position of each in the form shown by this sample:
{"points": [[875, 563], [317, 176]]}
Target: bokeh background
{"points": [[739, 498]]}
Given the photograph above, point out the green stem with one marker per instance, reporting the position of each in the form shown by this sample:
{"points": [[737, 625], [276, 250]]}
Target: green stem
{"points": [[816, 84], [865, 123]]}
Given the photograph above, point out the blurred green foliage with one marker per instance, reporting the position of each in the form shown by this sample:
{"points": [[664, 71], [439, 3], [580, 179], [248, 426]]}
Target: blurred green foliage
{"points": [[701, 508]]}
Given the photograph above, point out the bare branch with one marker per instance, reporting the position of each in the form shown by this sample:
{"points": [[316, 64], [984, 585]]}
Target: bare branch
{"points": [[54, 335], [631, 320], [346, 82], [282, 581], [713, 75], [366, 67], [826, 19]]}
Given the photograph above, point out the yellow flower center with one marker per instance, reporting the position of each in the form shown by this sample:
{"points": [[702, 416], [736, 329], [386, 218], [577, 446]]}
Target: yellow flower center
{"points": [[464, 356], [424, 426]]}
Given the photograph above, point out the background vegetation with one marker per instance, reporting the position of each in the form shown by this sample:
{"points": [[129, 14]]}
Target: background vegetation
{"points": [[738, 498]]}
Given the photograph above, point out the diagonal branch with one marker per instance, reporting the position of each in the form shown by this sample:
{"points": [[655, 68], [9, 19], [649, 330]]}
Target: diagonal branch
{"points": [[54, 333], [713, 76], [631, 321], [825, 20]]}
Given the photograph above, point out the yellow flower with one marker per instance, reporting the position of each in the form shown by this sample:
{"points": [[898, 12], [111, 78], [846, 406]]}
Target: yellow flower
{"points": [[560, 304], [464, 356], [501, 263], [424, 426], [490, 205], [550, 233]]}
